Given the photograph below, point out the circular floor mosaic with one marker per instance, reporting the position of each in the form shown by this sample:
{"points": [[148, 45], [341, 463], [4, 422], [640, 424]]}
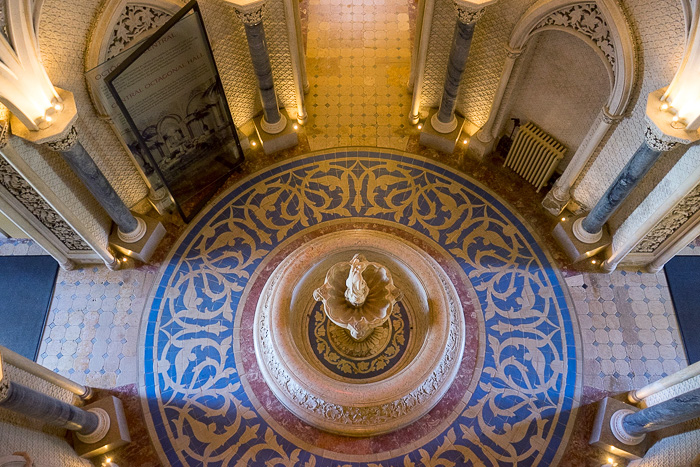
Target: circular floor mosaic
{"points": [[513, 399]]}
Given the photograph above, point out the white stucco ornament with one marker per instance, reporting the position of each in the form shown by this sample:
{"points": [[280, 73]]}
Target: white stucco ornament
{"points": [[358, 295]]}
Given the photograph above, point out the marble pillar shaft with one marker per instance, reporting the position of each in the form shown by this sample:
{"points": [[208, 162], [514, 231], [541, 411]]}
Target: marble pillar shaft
{"points": [[31, 403], [85, 168], [263, 71], [668, 413], [456, 65], [640, 163]]}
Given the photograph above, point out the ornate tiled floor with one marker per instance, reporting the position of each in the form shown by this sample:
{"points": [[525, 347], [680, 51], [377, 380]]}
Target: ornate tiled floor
{"points": [[206, 400]]}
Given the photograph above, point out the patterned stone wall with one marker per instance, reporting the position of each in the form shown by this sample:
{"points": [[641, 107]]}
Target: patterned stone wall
{"points": [[35, 204], [58, 177]]}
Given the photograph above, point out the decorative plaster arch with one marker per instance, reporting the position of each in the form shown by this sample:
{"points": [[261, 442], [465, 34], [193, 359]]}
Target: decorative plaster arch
{"points": [[610, 35], [617, 49], [109, 34]]}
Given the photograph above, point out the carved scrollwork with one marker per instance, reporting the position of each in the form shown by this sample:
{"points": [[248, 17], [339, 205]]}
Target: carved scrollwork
{"points": [[39, 208], [677, 218], [134, 20], [588, 20]]}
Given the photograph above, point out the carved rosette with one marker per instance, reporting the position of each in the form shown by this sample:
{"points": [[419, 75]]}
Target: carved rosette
{"points": [[656, 140], [467, 15], [69, 140], [250, 17]]}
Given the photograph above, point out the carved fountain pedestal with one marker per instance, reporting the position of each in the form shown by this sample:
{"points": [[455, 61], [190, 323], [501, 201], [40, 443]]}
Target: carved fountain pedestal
{"points": [[377, 351]]}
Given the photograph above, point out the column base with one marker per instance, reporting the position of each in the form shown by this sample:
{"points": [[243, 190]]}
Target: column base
{"points": [[555, 201], [575, 249], [143, 248], [479, 149], [116, 436], [160, 200], [444, 142], [603, 437], [272, 143]]}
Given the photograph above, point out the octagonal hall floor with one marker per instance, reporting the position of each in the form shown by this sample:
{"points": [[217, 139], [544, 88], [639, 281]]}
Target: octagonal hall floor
{"points": [[514, 398]]}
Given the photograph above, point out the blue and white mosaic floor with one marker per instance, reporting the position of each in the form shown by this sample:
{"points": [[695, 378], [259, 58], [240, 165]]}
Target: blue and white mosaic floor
{"points": [[199, 384]]}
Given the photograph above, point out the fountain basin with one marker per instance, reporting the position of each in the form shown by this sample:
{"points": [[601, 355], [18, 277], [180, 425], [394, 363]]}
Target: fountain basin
{"points": [[424, 339]]}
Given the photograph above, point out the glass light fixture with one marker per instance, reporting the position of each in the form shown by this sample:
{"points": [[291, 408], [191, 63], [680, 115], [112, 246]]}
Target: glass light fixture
{"points": [[25, 87], [683, 94]]}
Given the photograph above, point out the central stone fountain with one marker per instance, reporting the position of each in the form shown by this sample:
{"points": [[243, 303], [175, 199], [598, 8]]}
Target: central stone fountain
{"points": [[358, 304], [352, 348]]}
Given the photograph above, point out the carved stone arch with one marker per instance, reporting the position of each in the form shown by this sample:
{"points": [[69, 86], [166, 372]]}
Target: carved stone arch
{"points": [[118, 24], [607, 30]]}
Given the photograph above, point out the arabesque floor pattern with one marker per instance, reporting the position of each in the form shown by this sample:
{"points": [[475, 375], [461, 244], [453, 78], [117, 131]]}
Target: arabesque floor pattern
{"points": [[511, 404]]}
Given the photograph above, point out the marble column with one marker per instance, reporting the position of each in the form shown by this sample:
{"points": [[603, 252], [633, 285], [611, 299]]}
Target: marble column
{"points": [[90, 426], [131, 228], [589, 229], [631, 427], [251, 15], [444, 121]]}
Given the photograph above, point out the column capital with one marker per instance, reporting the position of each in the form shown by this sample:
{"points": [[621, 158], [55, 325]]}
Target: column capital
{"points": [[609, 118], [250, 12], [657, 140], [514, 53], [65, 141], [469, 11]]}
